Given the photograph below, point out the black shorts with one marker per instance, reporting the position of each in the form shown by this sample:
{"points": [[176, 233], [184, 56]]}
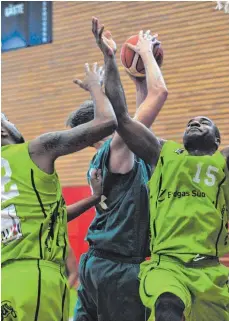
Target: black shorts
{"points": [[109, 290]]}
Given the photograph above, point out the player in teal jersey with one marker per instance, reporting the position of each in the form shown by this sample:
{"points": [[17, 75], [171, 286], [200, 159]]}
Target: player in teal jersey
{"points": [[118, 236], [33, 213], [189, 214]]}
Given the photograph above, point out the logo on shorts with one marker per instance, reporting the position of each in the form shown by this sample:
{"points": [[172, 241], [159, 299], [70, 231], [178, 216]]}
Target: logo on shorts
{"points": [[7, 309], [199, 257]]}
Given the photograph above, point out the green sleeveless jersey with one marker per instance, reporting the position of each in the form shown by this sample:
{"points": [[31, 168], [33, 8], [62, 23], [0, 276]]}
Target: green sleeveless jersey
{"points": [[188, 207], [33, 211]]}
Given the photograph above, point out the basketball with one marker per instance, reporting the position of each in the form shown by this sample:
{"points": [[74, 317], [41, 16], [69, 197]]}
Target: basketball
{"points": [[133, 62]]}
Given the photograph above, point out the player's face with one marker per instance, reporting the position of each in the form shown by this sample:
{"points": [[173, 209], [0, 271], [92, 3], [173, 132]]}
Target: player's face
{"points": [[200, 130], [9, 131]]}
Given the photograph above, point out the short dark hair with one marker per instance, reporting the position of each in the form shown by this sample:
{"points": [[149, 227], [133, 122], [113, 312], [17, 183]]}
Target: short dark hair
{"points": [[82, 115]]}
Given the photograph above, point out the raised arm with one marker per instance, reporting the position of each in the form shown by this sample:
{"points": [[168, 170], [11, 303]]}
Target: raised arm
{"points": [[151, 94], [138, 138], [156, 89], [45, 149], [78, 208]]}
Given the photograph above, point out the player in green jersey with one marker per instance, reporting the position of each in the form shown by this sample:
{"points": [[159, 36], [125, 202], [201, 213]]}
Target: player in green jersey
{"points": [[33, 214], [189, 214]]}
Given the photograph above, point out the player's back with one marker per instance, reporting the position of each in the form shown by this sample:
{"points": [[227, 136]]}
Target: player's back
{"points": [[33, 213], [121, 224]]}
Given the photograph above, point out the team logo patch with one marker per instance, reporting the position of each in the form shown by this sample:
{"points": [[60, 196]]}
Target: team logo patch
{"points": [[7, 309], [162, 195], [179, 151]]}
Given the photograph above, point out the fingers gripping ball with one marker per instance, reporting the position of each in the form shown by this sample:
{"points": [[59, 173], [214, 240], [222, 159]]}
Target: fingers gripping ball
{"points": [[133, 62]]}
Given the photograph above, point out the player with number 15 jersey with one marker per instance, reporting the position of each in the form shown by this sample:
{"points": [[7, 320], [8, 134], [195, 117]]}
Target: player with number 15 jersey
{"points": [[189, 228], [188, 219], [188, 206]]}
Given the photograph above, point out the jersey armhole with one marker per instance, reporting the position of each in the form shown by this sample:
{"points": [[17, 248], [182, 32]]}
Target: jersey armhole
{"points": [[42, 175]]}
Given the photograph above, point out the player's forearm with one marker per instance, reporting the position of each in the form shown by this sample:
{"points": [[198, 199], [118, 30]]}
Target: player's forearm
{"points": [[150, 108], [65, 142], [77, 138], [76, 209], [141, 91], [45, 149], [140, 140], [157, 92], [113, 87], [103, 107], [154, 77]]}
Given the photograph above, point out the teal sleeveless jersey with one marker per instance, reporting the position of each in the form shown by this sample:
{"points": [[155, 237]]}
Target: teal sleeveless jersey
{"points": [[188, 207], [33, 211], [122, 226]]}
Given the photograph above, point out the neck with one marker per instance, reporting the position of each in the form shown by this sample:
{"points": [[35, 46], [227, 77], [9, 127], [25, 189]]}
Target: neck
{"points": [[200, 152]]}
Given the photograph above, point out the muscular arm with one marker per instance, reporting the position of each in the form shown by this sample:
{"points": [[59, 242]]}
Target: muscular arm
{"points": [[45, 149], [138, 138], [78, 208], [127, 128], [156, 91], [121, 158], [225, 153], [151, 96]]}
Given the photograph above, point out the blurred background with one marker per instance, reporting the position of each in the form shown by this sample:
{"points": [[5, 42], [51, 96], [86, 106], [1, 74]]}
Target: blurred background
{"points": [[45, 45]]}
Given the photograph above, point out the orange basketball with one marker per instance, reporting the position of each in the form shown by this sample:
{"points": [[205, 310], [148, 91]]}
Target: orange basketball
{"points": [[133, 62]]}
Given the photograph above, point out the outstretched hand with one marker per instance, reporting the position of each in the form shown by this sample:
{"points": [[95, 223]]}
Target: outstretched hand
{"points": [[103, 38], [93, 77], [145, 44]]}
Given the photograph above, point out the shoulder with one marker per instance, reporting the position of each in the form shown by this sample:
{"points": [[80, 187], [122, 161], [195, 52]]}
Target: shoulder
{"points": [[14, 148], [223, 157], [169, 146], [225, 154], [102, 152]]}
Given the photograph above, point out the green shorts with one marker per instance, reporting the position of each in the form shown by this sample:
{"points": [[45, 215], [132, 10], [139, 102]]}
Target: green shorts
{"points": [[203, 289], [34, 290]]}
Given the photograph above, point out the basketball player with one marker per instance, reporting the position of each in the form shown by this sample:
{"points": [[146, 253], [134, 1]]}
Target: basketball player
{"points": [[118, 235], [34, 222], [188, 213]]}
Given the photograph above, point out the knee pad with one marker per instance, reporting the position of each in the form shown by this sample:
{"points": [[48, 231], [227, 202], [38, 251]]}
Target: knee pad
{"points": [[169, 307]]}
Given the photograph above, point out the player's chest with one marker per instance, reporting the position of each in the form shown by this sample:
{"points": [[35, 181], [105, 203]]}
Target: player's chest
{"points": [[201, 170]]}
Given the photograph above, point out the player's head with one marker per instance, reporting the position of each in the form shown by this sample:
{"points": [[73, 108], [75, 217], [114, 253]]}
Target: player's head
{"points": [[201, 134], [82, 115], [9, 133]]}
